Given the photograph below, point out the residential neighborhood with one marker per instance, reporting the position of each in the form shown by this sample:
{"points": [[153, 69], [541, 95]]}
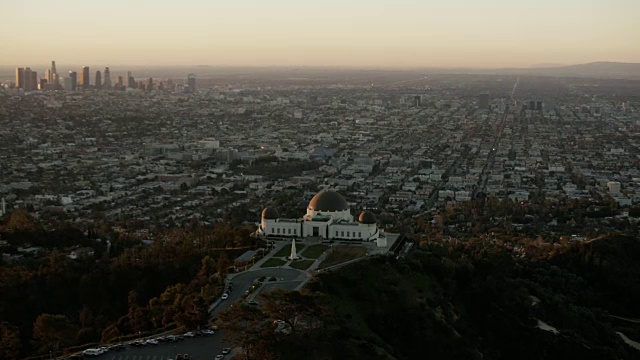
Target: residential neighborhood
{"points": [[151, 159]]}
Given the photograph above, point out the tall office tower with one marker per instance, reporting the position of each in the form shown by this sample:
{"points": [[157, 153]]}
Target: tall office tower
{"points": [[55, 79], [150, 84], [20, 78], [84, 78], [34, 80], [74, 80], [131, 82], [68, 84], [120, 82], [107, 78], [98, 82], [43, 84], [48, 76], [417, 101], [191, 82], [483, 101], [532, 105], [539, 105], [28, 82]]}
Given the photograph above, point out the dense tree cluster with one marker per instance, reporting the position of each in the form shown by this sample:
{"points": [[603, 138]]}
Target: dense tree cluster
{"points": [[510, 220], [463, 300], [50, 302], [272, 169]]}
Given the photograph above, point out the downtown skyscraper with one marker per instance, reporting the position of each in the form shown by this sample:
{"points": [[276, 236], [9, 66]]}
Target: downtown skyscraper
{"points": [[131, 82], [98, 82], [30, 80], [54, 78], [85, 80], [107, 78], [20, 78], [73, 82]]}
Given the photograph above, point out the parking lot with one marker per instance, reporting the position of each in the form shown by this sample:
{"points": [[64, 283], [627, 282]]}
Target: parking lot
{"points": [[198, 348], [206, 347]]}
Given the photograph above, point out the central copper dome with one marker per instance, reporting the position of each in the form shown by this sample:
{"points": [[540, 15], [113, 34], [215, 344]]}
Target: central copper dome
{"points": [[327, 200], [269, 213]]}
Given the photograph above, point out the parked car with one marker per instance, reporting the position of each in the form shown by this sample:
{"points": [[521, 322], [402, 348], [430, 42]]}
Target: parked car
{"points": [[208, 332], [225, 296], [218, 357], [189, 334], [93, 352], [253, 302], [226, 351]]}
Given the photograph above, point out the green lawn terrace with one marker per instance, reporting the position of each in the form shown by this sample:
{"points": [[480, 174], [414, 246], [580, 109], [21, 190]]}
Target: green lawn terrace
{"points": [[286, 250], [326, 256], [341, 254]]}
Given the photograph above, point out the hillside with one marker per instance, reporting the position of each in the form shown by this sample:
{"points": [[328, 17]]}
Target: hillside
{"points": [[474, 301], [603, 69]]}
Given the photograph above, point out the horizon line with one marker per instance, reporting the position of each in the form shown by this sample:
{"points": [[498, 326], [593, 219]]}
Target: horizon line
{"points": [[380, 67]]}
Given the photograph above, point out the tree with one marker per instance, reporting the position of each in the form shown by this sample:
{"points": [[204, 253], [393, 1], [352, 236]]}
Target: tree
{"points": [[137, 320], [110, 333], [245, 327], [9, 341], [21, 221], [86, 316], [193, 314], [253, 329], [53, 332], [288, 306], [222, 264]]}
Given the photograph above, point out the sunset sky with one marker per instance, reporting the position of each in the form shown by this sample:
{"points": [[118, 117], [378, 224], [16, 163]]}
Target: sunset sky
{"points": [[371, 33]]}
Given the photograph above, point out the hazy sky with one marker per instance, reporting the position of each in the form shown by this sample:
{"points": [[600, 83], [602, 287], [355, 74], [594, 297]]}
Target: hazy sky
{"points": [[400, 33]]}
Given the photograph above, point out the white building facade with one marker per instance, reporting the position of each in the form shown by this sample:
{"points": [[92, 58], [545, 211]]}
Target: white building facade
{"points": [[328, 217]]}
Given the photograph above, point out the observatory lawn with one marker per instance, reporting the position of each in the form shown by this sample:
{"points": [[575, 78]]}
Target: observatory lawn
{"points": [[273, 262], [286, 250], [314, 251], [301, 264], [340, 254]]}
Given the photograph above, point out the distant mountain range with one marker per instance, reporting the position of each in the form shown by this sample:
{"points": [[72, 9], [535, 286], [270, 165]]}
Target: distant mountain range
{"points": [[538, 66], [606, 69]]}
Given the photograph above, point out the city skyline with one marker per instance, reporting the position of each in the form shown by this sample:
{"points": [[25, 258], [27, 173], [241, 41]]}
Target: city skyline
{"points": [[459, 33]]}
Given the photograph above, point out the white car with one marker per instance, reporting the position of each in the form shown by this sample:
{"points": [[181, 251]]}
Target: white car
{"points": [[218, 357], [152, 342], [225, 296], [189, 334], [226, 351], [208, 332], [93, 352]]}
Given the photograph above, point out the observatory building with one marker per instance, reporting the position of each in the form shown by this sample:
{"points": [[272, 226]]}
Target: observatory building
{"points": [[328, 217]]}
